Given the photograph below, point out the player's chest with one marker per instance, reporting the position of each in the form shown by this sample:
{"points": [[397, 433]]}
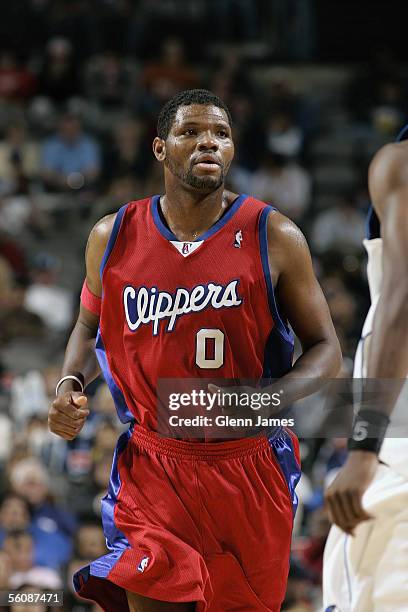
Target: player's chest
{"points": [[161, 290]]}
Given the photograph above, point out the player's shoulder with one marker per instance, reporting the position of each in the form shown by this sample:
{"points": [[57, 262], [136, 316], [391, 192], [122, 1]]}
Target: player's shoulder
{"points": [[95, 249], [283, 232], [102, 230], [388, 168], [287, 246], [99, 234]]}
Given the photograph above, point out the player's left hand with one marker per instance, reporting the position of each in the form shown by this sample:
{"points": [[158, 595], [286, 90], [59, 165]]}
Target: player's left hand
{"points": [[344, 495]]}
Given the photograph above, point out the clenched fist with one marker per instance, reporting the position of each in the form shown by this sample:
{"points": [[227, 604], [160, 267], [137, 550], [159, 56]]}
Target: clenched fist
{"points": [[68, 414]]}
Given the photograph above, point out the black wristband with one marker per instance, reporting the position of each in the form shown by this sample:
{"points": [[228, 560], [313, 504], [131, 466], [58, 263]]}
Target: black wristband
{"points": [[368, 431]]}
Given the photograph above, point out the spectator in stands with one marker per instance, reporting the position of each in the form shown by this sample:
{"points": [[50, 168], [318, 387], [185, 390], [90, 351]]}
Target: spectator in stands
{"points": [[340, 228], [70, 158], [128, 153], [58, 79], [88, 492], [14, 515], [124, 188], [50, 549], [388, 110], [310, 550], [370, 86], [13, 252], [38, 578], [103, 403], [89, 540], [232, 77], [18, 545], [343, 309], [19, 160], [283, 136], [301, 107], [16, 83], [110, 81], [45, 297], [105, 439], [30, 480], [283, 183], [249, 135], [170, 74], [16, 322], [29, 400]]}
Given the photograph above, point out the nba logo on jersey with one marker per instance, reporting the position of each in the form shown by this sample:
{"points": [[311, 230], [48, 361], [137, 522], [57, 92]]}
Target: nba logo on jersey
{"points": [[238, 239], [143, 564], [186, 248]]}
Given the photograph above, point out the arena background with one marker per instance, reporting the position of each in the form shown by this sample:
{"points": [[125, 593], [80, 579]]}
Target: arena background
{"points": [[315, 87]]}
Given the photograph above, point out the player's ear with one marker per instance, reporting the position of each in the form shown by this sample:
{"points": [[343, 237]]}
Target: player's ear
{"points": [[159, 149]]}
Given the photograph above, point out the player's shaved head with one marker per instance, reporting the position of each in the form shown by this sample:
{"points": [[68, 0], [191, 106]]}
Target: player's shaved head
{"points": [[186, 98]]}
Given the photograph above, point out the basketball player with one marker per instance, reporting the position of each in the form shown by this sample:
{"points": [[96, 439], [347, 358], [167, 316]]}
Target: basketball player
{"points": [[368, 572], [199, 282]]}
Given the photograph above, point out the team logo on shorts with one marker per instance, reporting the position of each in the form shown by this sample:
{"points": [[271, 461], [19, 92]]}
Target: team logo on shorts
{"points": [[143, 564], [238, 239]]}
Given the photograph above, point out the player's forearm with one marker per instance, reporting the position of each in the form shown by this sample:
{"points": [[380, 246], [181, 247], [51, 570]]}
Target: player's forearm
{"points": [[318, 363], [80, 357]]}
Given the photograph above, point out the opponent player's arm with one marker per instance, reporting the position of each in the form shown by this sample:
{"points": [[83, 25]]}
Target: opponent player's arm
{"points": [[68, 411], [388, 354], [302, 302]]}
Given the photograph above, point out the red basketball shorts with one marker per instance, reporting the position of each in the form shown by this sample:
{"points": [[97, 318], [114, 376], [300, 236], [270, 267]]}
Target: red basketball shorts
{"points": [[204, 522]]}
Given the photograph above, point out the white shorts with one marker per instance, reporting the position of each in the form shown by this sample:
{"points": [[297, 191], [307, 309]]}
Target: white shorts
{"points": [[369, 572]]}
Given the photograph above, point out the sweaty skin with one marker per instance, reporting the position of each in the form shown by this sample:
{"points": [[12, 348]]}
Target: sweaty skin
{"points": [[388, 355], [196, 157]]}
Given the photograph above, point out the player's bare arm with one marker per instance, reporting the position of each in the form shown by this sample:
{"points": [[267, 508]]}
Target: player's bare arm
{"points": [[302, 303], [388, 355], [69, 410], [388, 184]]}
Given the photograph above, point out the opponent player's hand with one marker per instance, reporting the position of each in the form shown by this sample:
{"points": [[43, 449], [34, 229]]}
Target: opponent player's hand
{"points": [[344, 496], [68, 414]]}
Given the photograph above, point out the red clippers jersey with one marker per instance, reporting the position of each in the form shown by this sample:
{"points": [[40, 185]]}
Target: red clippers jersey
{"points": [[201, 309]]}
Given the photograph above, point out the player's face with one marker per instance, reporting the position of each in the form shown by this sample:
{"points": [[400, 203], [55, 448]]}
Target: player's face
{"points": [[199, 148]]}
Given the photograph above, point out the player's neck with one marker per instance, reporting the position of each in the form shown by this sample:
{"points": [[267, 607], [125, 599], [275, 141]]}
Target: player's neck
{"points": [[189, 215]]}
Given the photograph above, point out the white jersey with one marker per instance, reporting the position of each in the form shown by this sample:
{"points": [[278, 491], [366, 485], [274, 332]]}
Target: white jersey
{"points": [[394, 451]]}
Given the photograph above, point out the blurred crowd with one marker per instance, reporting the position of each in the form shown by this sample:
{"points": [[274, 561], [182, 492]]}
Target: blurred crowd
{"points": [[80, 91]]}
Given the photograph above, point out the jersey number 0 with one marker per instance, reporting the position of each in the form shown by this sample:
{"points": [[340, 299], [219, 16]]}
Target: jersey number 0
{"points": [[209, 348]]}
